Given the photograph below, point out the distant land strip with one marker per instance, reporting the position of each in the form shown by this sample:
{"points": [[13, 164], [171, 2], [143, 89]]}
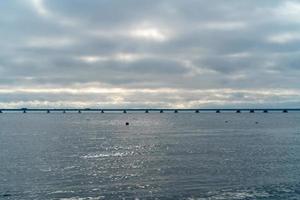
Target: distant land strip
{"points": [[148, 110]]}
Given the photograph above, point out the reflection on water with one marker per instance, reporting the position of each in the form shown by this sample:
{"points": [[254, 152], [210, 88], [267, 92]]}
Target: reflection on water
{"points": [[164, 156]]}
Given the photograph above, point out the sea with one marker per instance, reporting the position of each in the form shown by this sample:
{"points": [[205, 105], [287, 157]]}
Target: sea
{"points": [[203, 156]]}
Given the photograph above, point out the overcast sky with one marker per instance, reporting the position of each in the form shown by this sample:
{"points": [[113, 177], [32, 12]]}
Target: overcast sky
{"points": [[149, 53]]}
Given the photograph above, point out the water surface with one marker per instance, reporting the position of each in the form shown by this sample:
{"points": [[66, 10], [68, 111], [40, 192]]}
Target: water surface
{"points": [[163, 156]]}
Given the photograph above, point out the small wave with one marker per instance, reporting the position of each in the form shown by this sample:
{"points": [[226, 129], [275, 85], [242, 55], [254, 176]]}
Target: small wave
{"points": [[62, 192], [240, 195], [83, 198], [234, 195], [104, 155], [45, 169], [69, 167]]}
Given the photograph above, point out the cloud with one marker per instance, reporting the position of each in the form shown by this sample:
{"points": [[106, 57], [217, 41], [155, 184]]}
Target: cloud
{"points": [[149, 34], [40, 8], [289, 10], [149, 53], [284, 38], [117, 97], [45, 42], [125, 57], [223, 25]]}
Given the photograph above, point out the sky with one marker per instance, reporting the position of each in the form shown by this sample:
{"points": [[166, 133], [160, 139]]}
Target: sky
{"points": [[149, 53]]}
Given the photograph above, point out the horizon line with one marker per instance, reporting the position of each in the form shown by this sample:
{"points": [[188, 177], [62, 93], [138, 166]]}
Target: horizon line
{"points": [[151, 109]]}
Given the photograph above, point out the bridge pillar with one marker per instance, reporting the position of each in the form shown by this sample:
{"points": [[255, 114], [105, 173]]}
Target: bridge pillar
{"points": [[161, 111], [251, 111], [48, 111], [217, 111], [175, 111], [102, 111], [146, 111], [196, 111], [124, 111], [265, 111], [79, 111], [64, 111], [285, 111], [238, 111], [0, 111]]}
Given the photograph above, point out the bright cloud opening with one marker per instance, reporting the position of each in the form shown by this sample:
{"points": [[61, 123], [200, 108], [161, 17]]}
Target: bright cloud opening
{"points": [[39, 7], [149, 34]]}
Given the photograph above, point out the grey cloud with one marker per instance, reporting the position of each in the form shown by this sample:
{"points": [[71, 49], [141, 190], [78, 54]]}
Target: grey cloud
{"points": [[180, 44]]}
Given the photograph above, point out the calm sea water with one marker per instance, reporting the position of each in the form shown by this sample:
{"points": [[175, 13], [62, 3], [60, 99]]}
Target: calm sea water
{"points": [[158, 156]]}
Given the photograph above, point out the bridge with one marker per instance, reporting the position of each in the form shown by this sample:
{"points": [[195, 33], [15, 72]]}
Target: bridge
{"points": [[146, 110]]}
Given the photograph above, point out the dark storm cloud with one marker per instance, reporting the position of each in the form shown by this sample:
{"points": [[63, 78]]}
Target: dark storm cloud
{"points": [[234, 48]]}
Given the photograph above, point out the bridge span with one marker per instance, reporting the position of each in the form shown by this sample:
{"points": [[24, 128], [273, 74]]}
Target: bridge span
{"points": [[145, 110]]}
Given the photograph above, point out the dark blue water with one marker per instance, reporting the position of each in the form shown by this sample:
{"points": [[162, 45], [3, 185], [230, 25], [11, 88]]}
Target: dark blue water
{"points": [[158, 156]]}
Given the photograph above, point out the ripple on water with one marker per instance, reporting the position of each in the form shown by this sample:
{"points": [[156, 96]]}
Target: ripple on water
{"points": [[83, 198], [246, 194], [265, 192], [104, 155]]}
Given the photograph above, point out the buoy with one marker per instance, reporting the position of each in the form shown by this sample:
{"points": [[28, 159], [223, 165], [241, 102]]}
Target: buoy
{"points": [[127, 123]]}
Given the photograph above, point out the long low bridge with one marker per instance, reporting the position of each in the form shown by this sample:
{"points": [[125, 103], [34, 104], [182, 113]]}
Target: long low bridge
{"points": [[146, 110]]}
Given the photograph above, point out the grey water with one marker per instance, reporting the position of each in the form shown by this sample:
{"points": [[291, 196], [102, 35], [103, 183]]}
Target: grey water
{"points": [[158, 156]]}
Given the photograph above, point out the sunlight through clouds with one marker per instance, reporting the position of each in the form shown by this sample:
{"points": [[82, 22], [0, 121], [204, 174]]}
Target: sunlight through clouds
{"points": [[149, 34], [39, 6], [123, 57]]}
